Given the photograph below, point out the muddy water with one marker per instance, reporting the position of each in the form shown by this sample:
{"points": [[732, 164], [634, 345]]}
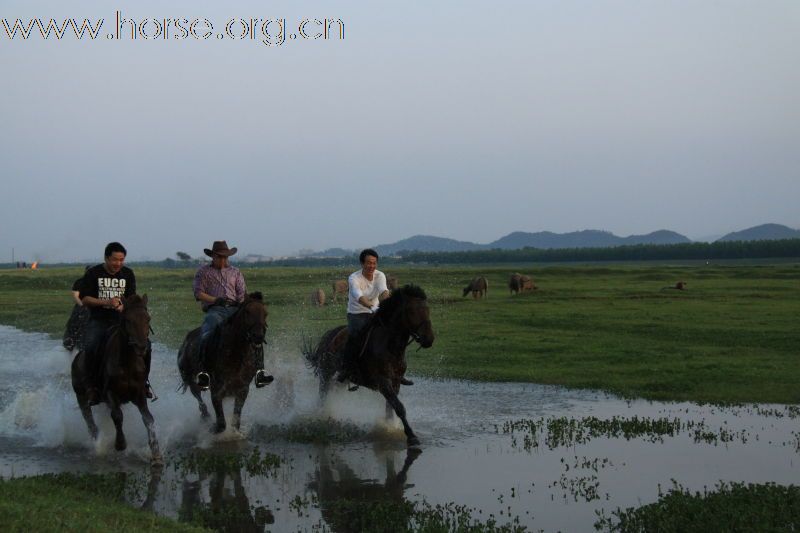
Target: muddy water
{"points": [[469, 455]]}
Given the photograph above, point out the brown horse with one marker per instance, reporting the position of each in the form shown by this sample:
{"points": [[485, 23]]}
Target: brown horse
{"points": [[230, 359], [404, 317], [125, 368]]}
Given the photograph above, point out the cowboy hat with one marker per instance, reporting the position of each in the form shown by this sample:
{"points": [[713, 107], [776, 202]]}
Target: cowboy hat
{"points": [[220, 248]]}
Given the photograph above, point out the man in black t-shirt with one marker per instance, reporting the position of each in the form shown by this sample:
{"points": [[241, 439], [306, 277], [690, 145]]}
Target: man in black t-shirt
{"points": [[101, 290]]}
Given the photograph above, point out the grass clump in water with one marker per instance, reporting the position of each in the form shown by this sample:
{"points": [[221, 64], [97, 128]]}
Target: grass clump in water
{"points": [[731, 507], [255, 463], [313, 431], [405, 516]]}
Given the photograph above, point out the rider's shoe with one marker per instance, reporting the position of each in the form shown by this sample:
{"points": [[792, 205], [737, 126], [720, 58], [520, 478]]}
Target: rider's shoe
{"points": [[262, 378], [203, 380], [404, 381]]}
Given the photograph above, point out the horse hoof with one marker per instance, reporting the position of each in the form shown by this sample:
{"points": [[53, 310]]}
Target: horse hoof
{"points": [[217, 429], [413, 442], [120, 445]]}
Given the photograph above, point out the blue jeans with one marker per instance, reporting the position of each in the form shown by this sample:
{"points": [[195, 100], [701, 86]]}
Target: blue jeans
{"points": [[356, 322], [215, 316]]}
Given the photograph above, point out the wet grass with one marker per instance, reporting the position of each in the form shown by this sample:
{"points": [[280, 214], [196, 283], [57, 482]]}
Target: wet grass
{"points": [[75, 502], [731, 507], [405, 516], [312, 431], [556, 432], [204, 462], [730, 337]]}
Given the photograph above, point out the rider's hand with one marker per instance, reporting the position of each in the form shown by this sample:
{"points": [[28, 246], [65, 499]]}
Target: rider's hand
{"points": [[114, 303], [220, 301]]}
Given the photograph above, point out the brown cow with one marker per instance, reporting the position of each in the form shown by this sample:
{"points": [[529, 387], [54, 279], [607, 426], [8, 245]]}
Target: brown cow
{"points": [[681, 285], [318, 297], [527, 284], [479, 287], [392, 283], [340, 287]]}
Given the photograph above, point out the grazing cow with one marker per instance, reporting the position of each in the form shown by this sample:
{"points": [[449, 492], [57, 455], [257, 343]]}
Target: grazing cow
{"points": [[681, 285], [527, 284], [515, 283], [392, 283], [340, 287], [479, 287], [318, 297]]}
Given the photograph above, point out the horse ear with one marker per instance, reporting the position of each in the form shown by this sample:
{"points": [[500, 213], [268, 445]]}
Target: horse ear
{"points": [[256, 296]]}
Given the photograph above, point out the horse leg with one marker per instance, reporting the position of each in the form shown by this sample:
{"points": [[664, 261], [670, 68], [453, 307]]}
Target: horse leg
{"points": [[79, 387], [195, 390], [389, 411], [86, 411], [116, 416], [216, 403], [391, 397], [238, 403], [149, 423]]}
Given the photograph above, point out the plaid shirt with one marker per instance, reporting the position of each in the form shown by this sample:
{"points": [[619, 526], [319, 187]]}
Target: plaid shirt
{"points": [[226, 283]]}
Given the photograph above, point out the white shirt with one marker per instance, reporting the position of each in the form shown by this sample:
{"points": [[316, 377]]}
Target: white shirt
{"points": [[361, 286]]}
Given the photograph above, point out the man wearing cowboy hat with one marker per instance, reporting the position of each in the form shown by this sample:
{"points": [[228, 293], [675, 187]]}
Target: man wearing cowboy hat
{"points": [[219, 288]]}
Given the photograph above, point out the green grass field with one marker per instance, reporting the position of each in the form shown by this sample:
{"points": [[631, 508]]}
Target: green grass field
{"points": [[732, 336]]}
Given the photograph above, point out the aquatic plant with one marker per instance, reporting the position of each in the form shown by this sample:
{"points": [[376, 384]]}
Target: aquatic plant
{"points": [[207, 462], [731, 507]]}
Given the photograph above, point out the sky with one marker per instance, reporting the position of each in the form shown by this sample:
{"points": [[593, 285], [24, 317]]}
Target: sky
{"points": [[459, 119]]}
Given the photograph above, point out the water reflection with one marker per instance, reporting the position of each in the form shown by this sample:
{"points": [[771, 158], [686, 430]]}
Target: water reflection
{"points": [[350, 503], [227, 506]]}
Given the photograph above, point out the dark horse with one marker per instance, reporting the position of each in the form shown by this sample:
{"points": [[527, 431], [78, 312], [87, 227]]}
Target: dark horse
{"points": [[230, 358], [125, 367], [404, 317]]}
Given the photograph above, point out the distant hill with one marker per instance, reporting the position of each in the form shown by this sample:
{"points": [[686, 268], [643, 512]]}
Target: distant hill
{"points": [[582, 239], [427, 243], [545, 240], [764, 232]]}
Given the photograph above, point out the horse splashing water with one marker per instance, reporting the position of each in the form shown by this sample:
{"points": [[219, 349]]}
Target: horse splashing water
{"points": [[380, 365], [230, 357], [125, 355]]}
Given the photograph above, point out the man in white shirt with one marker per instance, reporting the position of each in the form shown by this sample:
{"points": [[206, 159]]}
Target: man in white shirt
{"points": [[367, 287]]}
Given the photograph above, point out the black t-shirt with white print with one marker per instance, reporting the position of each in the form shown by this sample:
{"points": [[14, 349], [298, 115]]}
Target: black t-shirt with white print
{"points": [[98, 283]]}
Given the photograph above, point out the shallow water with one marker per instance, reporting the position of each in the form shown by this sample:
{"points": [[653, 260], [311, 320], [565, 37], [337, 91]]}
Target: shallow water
{"points": [[467, 457]]}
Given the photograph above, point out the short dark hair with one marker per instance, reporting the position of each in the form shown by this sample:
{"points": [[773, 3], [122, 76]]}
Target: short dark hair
{"points": [[115, 247], [364, 253]]}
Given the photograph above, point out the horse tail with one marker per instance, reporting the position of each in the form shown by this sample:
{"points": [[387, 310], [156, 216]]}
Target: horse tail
{"points": [[316, 356]]}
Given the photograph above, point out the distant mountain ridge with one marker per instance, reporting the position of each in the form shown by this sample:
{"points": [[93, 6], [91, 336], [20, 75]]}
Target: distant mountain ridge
{"points": [[548, 240], [764, 232]]}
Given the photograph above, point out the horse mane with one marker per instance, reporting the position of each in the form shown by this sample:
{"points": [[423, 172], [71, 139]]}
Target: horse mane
{"points": [[390, 305], [134, 301]]}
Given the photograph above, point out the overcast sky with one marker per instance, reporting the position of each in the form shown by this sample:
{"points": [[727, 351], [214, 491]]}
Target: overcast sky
{"points": [[459, 119]]}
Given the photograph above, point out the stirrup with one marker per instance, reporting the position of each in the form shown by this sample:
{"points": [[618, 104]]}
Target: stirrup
{"points": [[203, 380], [263, 379]]}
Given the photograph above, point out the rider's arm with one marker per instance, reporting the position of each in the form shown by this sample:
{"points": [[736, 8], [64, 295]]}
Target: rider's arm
{"points": [[111, 303], [76, 295], [203, 297]]}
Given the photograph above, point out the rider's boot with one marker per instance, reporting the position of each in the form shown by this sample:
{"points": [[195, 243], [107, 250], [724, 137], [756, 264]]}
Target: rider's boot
{"points": [[262, 378], [404, 381]]}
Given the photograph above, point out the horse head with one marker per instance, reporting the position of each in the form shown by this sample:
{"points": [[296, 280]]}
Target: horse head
{"points": [[253, 316], [135, 323], [408, 306]]}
